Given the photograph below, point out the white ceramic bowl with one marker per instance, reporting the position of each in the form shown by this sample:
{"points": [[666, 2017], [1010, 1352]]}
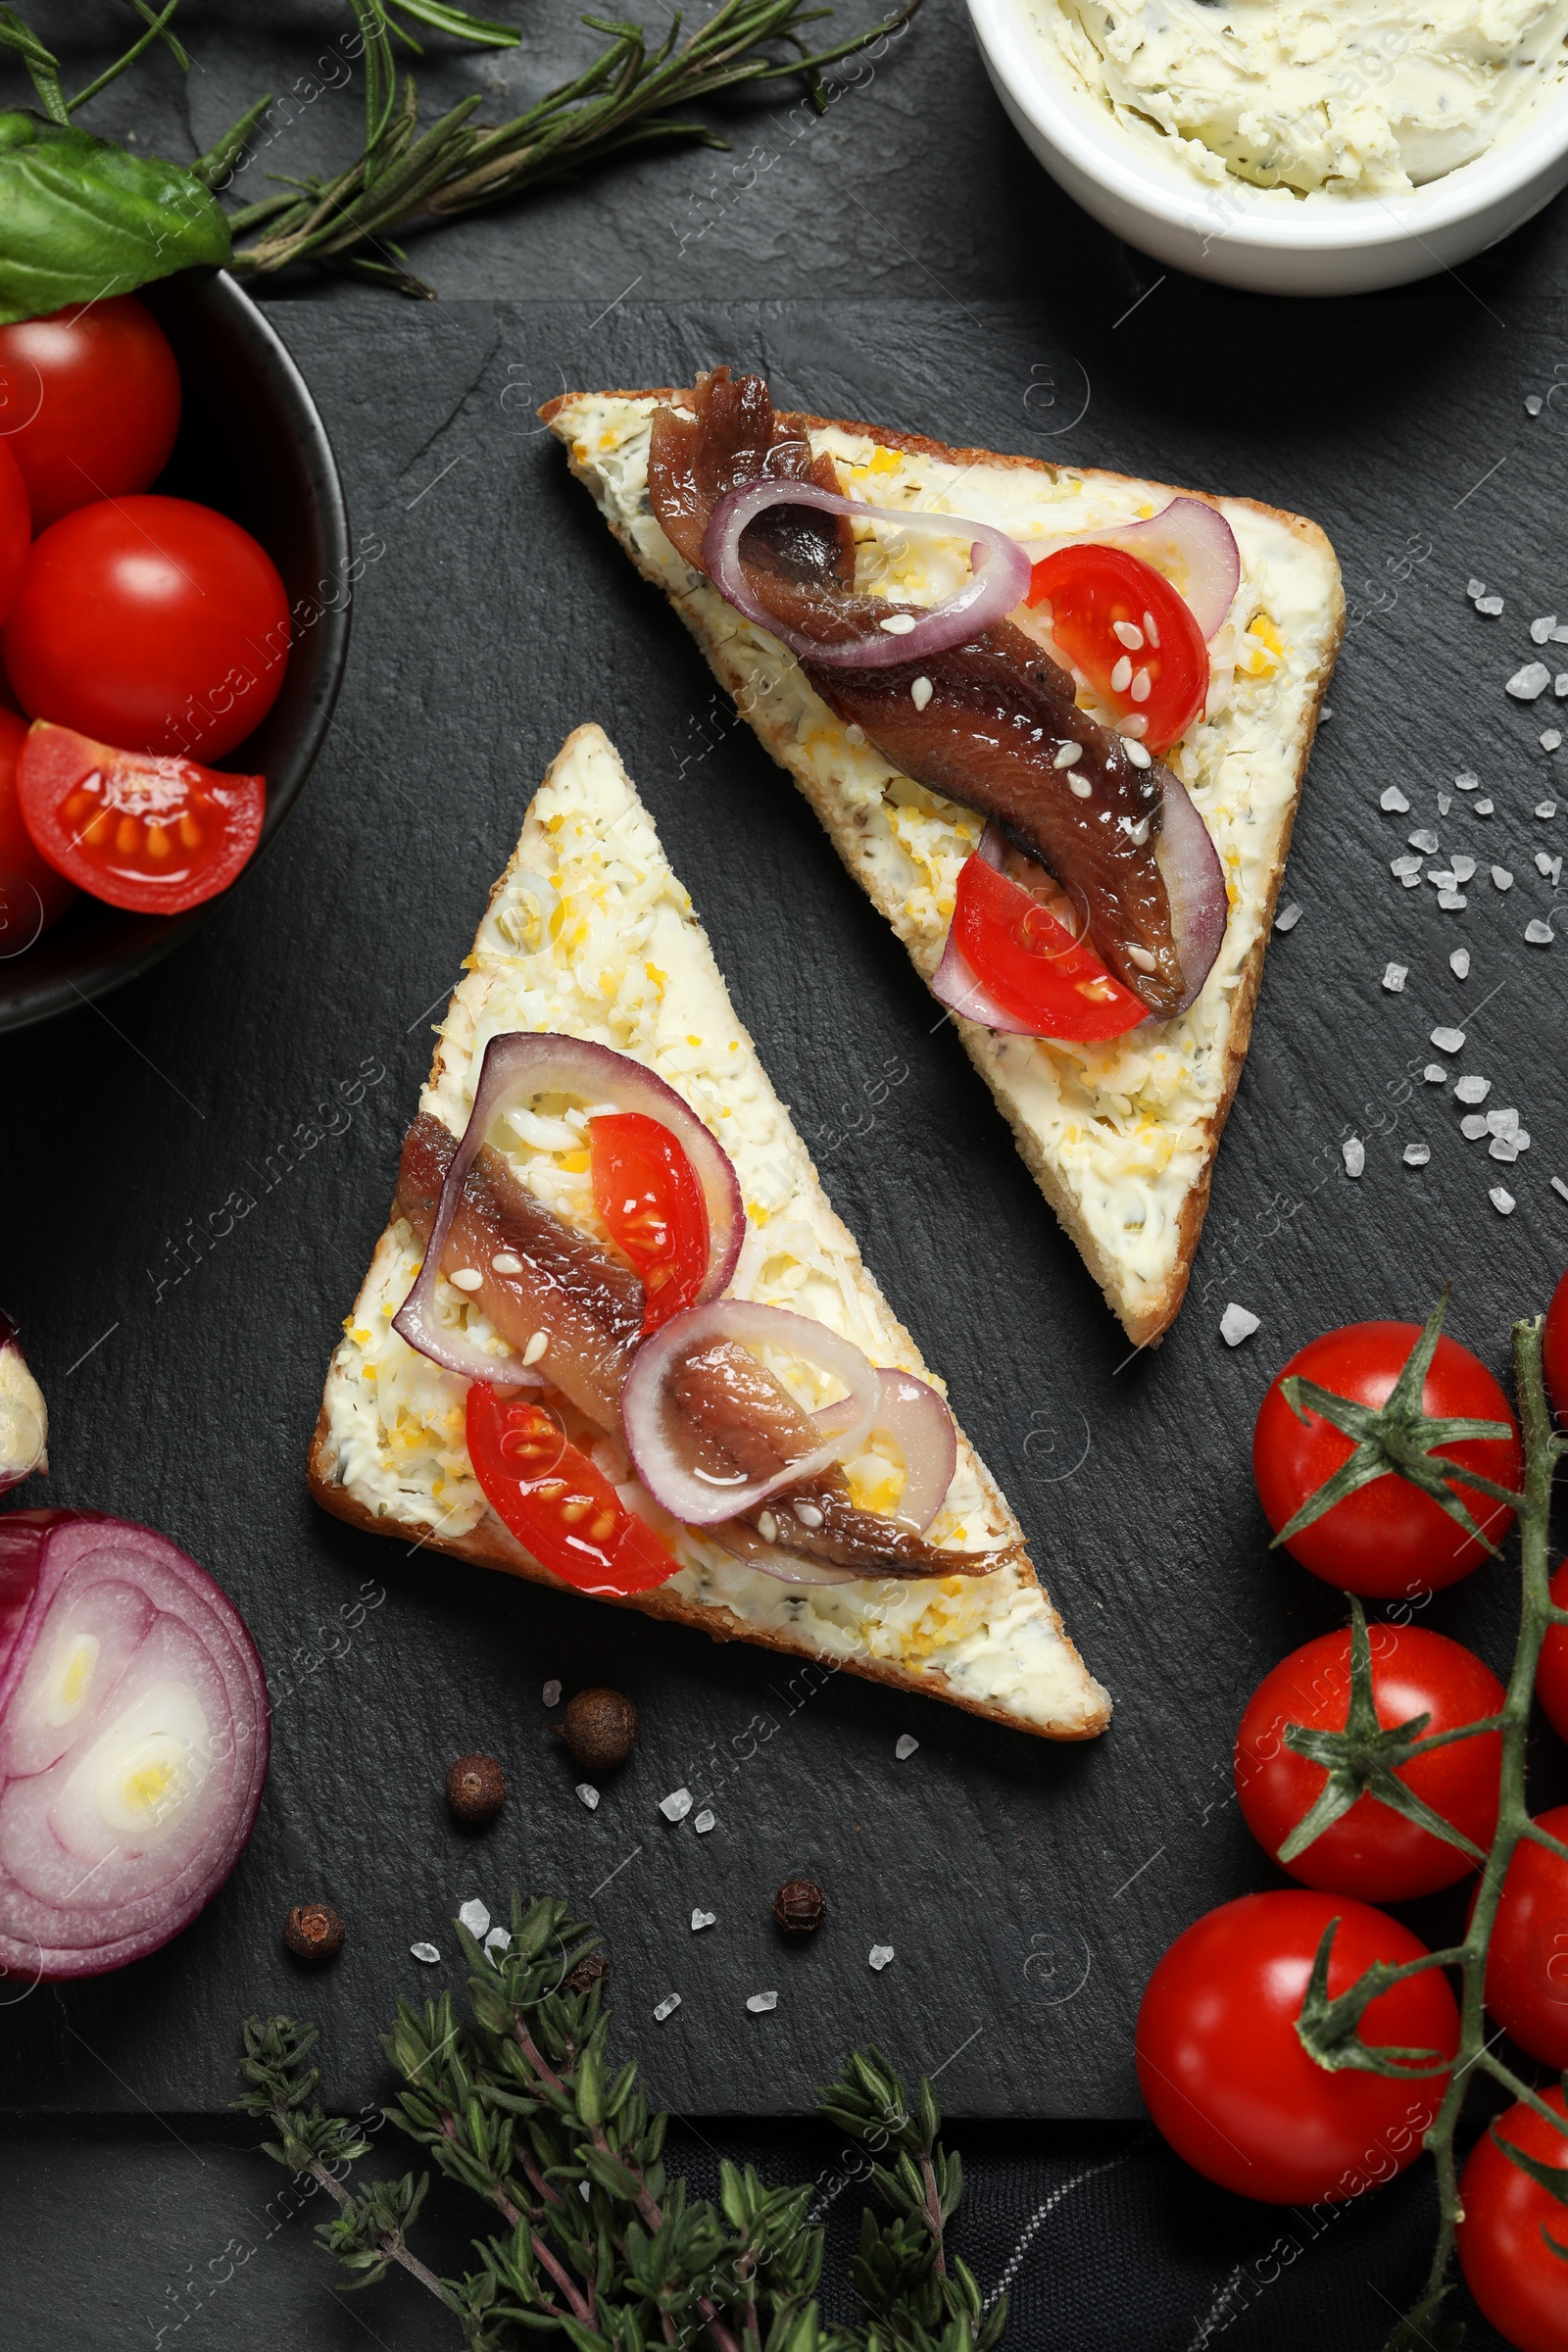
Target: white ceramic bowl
{"points": [[1235, 232]]}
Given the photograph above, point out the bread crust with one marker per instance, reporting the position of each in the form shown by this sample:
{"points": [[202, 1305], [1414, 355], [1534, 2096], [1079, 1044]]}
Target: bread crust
{"points": [[1147, 1326]]}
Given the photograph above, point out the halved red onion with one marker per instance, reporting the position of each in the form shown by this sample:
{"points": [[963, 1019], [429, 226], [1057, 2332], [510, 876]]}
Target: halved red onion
{"points": [[693, 1496], [24, 1415], [1000, 576], [1194, 885], [1189, 540], [517, 1065], [133, 1742]]}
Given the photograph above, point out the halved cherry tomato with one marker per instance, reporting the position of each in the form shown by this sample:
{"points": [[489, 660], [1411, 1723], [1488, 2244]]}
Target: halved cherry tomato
{"points": [[15, 531], [1032, 964], [1134, 638], [553, 1499], [32, 895], [1514, 2232], [89, 403], [153, 835], [650, 1199]]}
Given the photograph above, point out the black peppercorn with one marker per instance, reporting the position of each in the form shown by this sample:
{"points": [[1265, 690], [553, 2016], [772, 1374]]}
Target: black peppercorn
{"points": [[477, 1788], [800, 1906], [595, 1970], [314, 1932], [600, 1728]]}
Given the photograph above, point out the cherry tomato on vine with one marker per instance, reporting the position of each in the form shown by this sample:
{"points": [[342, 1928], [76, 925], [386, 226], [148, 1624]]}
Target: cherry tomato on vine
{"points": [[650, 1199], [1554, 1350], [150, 622], [89, 404], [1551, 1675], [1527, 1959], [1372, 1850], [1123, 625], [1225, 2076], [1031, 964], [1387, 1539], [32, 895], [16, 531], [1509, 2266], [557, 1502], [153, 835]]}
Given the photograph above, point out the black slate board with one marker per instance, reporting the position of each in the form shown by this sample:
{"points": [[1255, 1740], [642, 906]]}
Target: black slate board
{"points": [[1027, 1889]]}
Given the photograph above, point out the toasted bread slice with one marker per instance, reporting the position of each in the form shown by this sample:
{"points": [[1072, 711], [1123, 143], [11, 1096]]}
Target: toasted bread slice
{"points": [[1121, 1137], [589, 932]]}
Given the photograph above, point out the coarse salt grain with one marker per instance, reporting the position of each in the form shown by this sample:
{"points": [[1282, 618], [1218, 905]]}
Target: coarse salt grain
{"points": [[905, 1746], [476, 1917], [1451, 900], [1409, 863], [1434, 1074], [702, 1920], [1393, 800], [1559, 1188], [1475, 588], [1541, 630], [496, 1943], [1474, 1127], [880, 1955], [1503, 1122], [1395, 976], [704, 1822], [1463, 868], [1551, 740], [1472, 1089], [1503, 1202], [1469, 781], [1483, 808], [1416, 1155], [1491, 604], [1441, 877], [1353, 1153], [426, 1952], [1502, 877], [1546, 809], [667, 2007], [1459, 964], [676, 1805], [1533, 404], [1504, 1146], [1424, 839], [551, 1693], [1526, 685], [588, 1795], [759, 2003], [1237, 1324], [1288, 917], [1444, 803], [1542, 862], [1538, 934], [921, 693], [1448, 1041]]}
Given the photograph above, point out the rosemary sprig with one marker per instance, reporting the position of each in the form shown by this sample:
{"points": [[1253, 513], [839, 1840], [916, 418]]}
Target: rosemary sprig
{"points": [[1329, 2028], [519, 2106]]}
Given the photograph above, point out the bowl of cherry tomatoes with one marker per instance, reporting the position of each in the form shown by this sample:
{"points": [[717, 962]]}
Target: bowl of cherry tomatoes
{"points": [[176, 579]]}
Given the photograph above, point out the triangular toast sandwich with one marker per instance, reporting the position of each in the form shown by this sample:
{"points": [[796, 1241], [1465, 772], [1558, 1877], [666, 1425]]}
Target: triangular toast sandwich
{"points": [[1119, 1136], [589, 933]]}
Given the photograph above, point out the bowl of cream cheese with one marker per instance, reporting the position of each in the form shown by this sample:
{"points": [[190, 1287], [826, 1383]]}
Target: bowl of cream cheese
{"points": [[1291, 146]]}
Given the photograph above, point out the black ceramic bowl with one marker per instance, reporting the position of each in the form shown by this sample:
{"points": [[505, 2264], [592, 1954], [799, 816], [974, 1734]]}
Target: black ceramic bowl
{"points": [[251, 444]]}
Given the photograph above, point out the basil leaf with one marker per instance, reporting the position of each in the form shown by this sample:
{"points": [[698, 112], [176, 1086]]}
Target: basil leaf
{"points": [[81, 218]]}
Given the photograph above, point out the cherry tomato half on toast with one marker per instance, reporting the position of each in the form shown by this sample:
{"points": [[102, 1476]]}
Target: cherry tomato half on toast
{"points": [[557, 1503], [650, 1199], [1031, 964], [1527, 1959], [1373, 1851], [150, 622], [1136, 641], [32, 895], [1509, 2229], [89, 404], [1223, 2071], [156, 836], [1389, 1540]]}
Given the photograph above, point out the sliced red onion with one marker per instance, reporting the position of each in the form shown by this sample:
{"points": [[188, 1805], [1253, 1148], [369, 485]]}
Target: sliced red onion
{"points": [[24, 1415], [133, 1742], [1194, 885], [918, 1420], [692, 1495], [1188, 538], [517, 1065], [953, 983], [1000, 576]]}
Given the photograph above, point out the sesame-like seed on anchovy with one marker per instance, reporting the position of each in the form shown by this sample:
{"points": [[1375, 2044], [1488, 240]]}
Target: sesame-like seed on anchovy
{"points": [[767, 1528], [1136, 752], [1142, 957], [536, 1348], [1081, 787], [808, 1514], [466, 1278], [506, 1262], [898, 624], [921, 693], [1068, 756]]}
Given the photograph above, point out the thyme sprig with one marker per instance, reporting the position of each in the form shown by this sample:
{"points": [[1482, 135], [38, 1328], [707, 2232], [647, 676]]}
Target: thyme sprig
{"points": [[519, 2105], [1330, 2026]]}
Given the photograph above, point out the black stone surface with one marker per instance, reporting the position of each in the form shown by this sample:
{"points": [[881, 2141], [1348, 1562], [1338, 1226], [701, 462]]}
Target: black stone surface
{"points": [[901, 261]]}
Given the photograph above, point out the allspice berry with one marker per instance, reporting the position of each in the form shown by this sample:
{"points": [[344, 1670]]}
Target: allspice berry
{"points": [[800, 1906], [600, 1728], [314, 1932], [477, 1789], [595, 1970]]}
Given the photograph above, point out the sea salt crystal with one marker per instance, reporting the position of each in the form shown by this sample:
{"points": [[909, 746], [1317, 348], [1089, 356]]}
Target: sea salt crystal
{"points": [[667, 2007], [1451, 900], [1469, 781], [1416, 1155], [1448, 1041], [1353, 1153], [1444, 803], [1489, 604], [551, 1694], [1237, 1324], [496, 1943], [905, 1746], [1393, 800], [1559, 684], [1434, 1074], [1459, 964], [1463, 868], [1529, 683], [1559, 1188], [1411, 881], [676, 1805], [588, 1795], [475, 1918], [1405, 866], [1503, 1202], [1542, 862], [1442, 877], [1538, 934], [1541, 630], [1288, 917], [880, 1955], [1533, 404], [1502, 877], [1551, 740], [1472, 1089], [1483, 808], [426, 1952], [1424, 839], [759, 2003], [1546, 809], [1474, 1127], [1395, 976], [1475, 588], [703, 1919], [1502, 1122], [704, 1822], [1504, 1146]]}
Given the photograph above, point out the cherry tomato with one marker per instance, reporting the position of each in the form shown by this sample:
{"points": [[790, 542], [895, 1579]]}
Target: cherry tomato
{"points": [[150, 622], [89, 404], [1554, 1348], [1551, 1675], [650, 1199], [1526, 1960], [1509, 2229], [560, 1507], [1030, 962], [16, 531], [1373, 1851], [1225, 2076], [1389, 1540], [1133, 637], [153, 835], [32, 895]]}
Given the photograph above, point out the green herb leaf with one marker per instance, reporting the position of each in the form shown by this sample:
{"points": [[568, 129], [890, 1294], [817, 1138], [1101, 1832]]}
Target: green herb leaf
{"points": [[81, 218]]}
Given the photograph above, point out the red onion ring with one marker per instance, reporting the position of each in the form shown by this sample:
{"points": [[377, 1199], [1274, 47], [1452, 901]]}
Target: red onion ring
{"points": [[1194, 885], [918, 1420], [954, 984], [1001, 577], [133, 1742], [521, 1063], [24, 1415], [1187, 536], [688, 1496]]}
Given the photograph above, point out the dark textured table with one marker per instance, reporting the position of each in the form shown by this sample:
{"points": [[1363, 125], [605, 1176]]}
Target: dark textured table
{"points": [[901, 259]]}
